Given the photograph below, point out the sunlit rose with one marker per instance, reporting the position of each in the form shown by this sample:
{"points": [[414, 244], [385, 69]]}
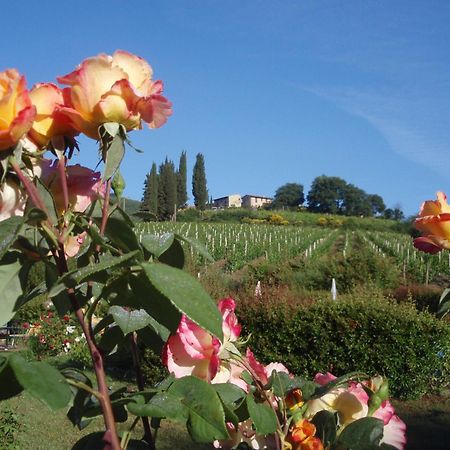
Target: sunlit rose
{"points": [[194, 351], [12, 199], [16, 111], [83, 184], [116, 88], [49, 121], [434, 222], [302, 436], [351, 403]]}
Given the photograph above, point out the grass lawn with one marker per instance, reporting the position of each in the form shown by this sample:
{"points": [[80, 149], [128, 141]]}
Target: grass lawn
{"points": [[428, 423]]}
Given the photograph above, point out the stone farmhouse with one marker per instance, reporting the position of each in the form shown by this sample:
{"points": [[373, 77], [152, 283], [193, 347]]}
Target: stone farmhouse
{"points": [[246, 201]]}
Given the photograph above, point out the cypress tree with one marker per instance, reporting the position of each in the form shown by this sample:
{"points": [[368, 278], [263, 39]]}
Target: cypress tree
{"points": [[199, 189], [182, 197], [167, 190], [153, 187]]}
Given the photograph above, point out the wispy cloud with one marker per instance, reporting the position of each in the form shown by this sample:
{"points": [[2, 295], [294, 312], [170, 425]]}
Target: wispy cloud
{"points": [[416, 128]]}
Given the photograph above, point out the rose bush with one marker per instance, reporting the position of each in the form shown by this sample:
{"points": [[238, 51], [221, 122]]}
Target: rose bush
{"points": [[222, 393]]}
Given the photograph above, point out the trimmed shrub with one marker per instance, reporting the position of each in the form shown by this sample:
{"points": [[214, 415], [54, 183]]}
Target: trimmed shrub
{"points": [[378, 336]]}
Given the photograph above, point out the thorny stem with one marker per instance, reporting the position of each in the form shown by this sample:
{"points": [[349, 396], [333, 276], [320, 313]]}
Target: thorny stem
{"points": [[105, 207], [110, 438], [29, 187], [63, 180], [140, 383]]}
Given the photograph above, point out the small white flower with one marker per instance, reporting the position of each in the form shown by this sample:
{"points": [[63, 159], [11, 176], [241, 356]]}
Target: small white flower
{"points": [[70, 329]]}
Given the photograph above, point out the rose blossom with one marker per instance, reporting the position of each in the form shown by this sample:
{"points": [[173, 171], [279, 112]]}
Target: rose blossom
{"points": [[49, 122], [194, 351], [12, 199], [16, 111], [116, 88], [434, 221], [83, 185], [351, 404]]}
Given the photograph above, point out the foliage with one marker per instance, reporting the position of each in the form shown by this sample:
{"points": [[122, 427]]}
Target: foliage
{"points": [[167, 190], [182, 196], [290, 195], [199, 189], [355, 333], [333, 195], [51, 336], [150, 196], [10, 426]]}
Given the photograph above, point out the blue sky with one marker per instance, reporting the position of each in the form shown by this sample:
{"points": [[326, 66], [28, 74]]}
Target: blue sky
{"points": [[270, 91]]}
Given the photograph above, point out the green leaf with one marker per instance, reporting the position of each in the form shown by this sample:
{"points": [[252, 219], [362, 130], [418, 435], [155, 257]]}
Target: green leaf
{"points": [[162, 405], [9, 230], [9, 386], [444, 304], [196, 245], [111, 338], [206, 418], [231, 396], [61, 301], [47, 198], [157, 245], [230, 393], [93, 441], [282, 383], [187, 295], [263, 416], [10, 285], [121, 234], [129, 321], [325, 422], [78, 276], [114, 155], [42, 381], [156, 304], [174, 255], [154, 336], [362, 434]]}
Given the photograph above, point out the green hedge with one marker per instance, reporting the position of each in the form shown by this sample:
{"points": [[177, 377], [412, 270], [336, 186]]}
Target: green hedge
{"points": [[376, 336]]}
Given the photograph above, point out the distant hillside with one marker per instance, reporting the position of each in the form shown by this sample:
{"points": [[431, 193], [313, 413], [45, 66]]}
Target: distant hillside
{"points": [[129, 205]]}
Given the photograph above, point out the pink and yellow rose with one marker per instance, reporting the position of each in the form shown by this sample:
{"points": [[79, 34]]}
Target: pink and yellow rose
{"points": [[49, 122], [16, 110], [117, 88], [352, 403], [83, 185], [194, 351], [434, 222]]}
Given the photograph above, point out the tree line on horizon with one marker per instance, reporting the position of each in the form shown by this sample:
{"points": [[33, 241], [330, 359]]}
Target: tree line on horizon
{"points": [[333, 195], [165, 190]]}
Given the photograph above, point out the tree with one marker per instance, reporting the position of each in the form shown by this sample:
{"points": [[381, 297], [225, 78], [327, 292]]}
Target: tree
{"points": [[355, 202], [199, 189], [327, 195], [182, 196], [167, 190], [377, 204], [290, 195], [150, 196]]}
